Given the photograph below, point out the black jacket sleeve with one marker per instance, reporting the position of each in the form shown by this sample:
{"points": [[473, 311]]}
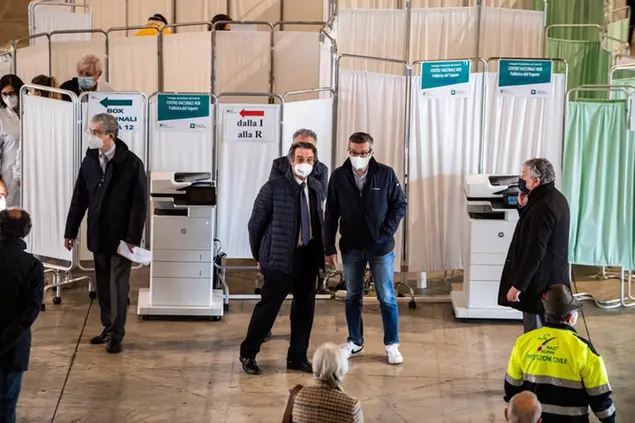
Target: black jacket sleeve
{"points": [[321, 174], [539, 233], [31, 304], [261, 215], [139, 210], [277, 170], [396, 204], [79, 204], [331, 218]]}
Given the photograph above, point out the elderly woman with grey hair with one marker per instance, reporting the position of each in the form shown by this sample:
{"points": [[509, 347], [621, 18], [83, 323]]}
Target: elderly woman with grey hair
{"points": [[89, 77], [325, 402], [538, 255]]}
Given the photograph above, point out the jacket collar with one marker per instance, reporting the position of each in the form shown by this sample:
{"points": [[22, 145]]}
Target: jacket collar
{"points": [[327, 385], [562, 326], [17, 243], [120, 151], [540, 191]]}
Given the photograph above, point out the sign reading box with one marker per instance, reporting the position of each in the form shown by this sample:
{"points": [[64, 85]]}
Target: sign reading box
{"points": [[126, 108], [448, 79], [183, 112], [525, 78]]}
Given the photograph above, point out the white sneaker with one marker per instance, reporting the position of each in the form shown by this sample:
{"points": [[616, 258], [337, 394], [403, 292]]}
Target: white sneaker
{"points": [[350, 349], [394, 356]]}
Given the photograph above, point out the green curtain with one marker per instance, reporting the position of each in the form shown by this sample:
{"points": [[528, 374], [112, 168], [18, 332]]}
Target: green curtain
{"points": [[619, 31], [562, 12], [588, 62], [628, 83], [598, 181]]}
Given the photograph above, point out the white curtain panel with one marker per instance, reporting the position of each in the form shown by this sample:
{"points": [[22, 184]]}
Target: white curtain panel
{"points": [[133, 64], [256, 10], [368, 4], [374, 103], [511, 33], [443, 149], [376, 33], [242, 63], [66, 54], [32, 61], [193, 49], [140, 10], [327, 63], [417, 4], [57, 18], [518, 129], [296, 62], [244, 164], [49, 157], [191, 153], [198, 10], [443, 33], [316, 115], [108, 14]]}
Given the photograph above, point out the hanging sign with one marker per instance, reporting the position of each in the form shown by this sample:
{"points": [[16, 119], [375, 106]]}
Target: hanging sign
{"points": [[448, 79], [183, 112], [127, 108], [250, 123], [525, 78]]}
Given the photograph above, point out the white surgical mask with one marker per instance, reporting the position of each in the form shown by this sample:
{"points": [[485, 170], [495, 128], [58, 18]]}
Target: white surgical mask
{"points": [[359, 163], [94, 142], [11, 101], [3, 203], [303, 169]]}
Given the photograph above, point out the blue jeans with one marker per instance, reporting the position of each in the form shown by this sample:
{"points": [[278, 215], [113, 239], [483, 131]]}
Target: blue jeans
{"points": [[383, 271], [10, 385]]}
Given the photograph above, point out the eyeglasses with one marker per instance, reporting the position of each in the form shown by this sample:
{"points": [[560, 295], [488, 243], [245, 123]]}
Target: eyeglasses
{"points": [[95, 132], [354, 153]]}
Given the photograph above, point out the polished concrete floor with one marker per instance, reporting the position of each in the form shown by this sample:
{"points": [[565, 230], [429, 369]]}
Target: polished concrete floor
{"points": [[187, 371]]}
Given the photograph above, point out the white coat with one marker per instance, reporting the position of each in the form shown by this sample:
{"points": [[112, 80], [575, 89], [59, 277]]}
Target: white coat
{"points": [[9, 154]]}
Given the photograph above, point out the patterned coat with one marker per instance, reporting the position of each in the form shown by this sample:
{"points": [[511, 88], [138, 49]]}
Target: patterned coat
{"points": [[323, 403]]}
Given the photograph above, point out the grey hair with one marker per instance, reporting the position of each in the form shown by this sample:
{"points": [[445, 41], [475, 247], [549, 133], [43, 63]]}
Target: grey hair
{"points": [[90, 60], [540, 168], [524, 407], [108, 123], [329, 364], [305, 133]]}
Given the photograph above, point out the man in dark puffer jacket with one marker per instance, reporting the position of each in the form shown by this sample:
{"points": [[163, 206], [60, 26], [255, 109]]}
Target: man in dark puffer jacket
{"points": [[285, 234]]}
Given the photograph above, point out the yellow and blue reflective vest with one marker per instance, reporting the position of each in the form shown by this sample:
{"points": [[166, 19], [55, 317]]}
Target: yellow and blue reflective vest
{"points": [[564, 371]]}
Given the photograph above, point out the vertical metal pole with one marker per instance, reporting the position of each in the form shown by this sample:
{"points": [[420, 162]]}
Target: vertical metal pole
{"points": [[481, 143], [271, 62], [50, 53], [106, 57], [14, 58], [479, 4], [127, 16], [229, 8], [174, 15], [406, 56], [160, 69], [213, 56], [336, 101], [546, 23], [281, 129], [281, 14], [406, 170]]}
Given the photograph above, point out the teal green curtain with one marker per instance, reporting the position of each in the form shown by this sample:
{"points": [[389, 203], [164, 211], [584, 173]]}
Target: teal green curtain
{"points": [[588, 62], [619, 31], [598, 180], [563, 12], [628, 83]]}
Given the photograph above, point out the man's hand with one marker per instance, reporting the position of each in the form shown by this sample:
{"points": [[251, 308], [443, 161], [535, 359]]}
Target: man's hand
{"points": [[513, 295], [331, 260], [522, 199], [68, 243]]}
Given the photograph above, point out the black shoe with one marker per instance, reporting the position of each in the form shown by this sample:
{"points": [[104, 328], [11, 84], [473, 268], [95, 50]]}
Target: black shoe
{"points": [[100, 339], [114, 347], [268, 337], [250, 366], [302, 366]]}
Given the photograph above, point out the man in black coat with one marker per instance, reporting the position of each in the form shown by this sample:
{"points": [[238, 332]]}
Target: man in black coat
{"points": [[22, 288], [538, 255], [112, 186], [366, 201], [285, 234]]}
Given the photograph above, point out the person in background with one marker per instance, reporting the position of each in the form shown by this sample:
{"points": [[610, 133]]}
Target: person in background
{"points": [[3, 195], [538, 254], [89, 77], [222, 27], [10, 86], [111, 185], [523, 408], [366, 202], [563, 369], [22, 288], [325, 402], [45, 81], [155, 24], [285, 235]]}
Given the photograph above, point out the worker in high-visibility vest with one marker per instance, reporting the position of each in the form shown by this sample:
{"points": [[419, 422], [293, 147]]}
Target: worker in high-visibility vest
{"points": [[563, 369]]}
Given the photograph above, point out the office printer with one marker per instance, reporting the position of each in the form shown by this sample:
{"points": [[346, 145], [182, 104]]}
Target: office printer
{"points": [[491, 217], [182, 243]]}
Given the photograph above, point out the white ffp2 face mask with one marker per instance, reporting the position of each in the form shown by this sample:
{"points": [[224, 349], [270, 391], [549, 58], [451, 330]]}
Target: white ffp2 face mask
{"points": [[94, 142], [11, 101], [303, 169], [359, 163]]}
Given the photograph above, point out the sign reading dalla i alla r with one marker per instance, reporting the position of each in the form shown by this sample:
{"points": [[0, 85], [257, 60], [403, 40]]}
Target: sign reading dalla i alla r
{"points": [[250, 123]]}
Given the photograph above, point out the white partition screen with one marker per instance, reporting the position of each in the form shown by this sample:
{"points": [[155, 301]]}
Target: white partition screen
{"points": [[444, 148], [243, 167], [32, 61], [296, 60], [48, 172], [66, 54], [194, 49], [443, 33], [518, 129], [46, 19], [511, 33], [133, 64]]}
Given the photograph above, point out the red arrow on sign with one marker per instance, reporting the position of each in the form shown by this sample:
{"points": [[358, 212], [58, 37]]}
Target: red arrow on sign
{"points": [[256, 113]]}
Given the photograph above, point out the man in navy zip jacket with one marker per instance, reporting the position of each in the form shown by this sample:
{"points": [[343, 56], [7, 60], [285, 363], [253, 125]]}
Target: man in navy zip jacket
{"points": [[366, 200]]}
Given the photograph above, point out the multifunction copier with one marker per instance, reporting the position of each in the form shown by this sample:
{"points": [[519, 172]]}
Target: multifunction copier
{"points": [[492, 214], [183, 208]]}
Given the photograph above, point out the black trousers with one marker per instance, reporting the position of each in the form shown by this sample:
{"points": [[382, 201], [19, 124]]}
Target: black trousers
{"points": [[301, 283], [112, 273]]}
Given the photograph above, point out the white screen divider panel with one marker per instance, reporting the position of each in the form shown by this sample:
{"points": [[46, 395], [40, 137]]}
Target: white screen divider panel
{"points": [[511, 33]]}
